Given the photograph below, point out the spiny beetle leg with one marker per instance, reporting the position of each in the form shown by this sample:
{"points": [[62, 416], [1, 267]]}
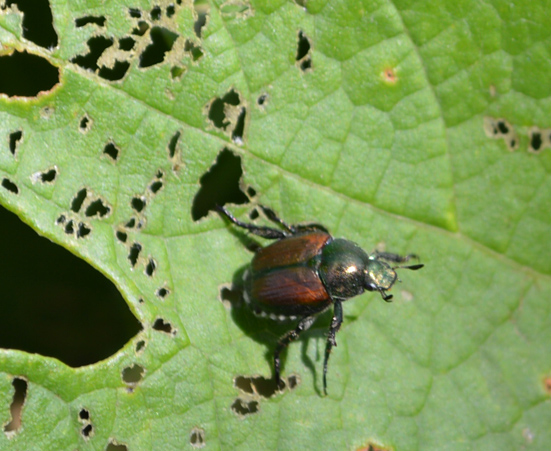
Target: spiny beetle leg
{"points": [[284, 341], [333, 329], [272, 216], [264, 232]]}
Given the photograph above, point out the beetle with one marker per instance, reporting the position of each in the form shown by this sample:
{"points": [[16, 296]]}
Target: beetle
{"points": [[305, 272]]}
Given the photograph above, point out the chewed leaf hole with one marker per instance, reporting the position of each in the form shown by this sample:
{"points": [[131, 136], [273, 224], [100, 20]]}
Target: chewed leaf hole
{"points": [[37, 24], [111, 150], [202, 10], [48, 176], [19, 71], [87, 431], [155, 13], [140, 345], [170, 10], [127, 43], [155, 186], [162, 292], [193, 49], [133, 374], [150, 267], [197, 438], [80, 319], [96, 45], [121, 236], [97, 208], [162, 41], [501, 129], [10, 186], [303, 58], [540, 139], [85, 124], [135, 13], [19, 396], [138, 204], [15, 140], [263, 387], [113, 445], [217, 110], [172, 144], [84, 415], [219, 185], [78, 200], [162, 326], [85, 20], [134, 253], [243, 408]]}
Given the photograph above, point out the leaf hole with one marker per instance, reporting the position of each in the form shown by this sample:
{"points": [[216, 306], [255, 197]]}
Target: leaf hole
{"points": [[113, 445], [162, 41], [135, 13], [111, 150], [46, 176], [217, 109], [258, 385], [155, 186], [96, 46], [87, 431], [141, 29], [86, 20], [97, 208], [177, 72], [219, 185], [138, 204], [127, 43], [121, 236], [155, 13], [131, 223], [85, 124], [140, 345], [170, 11], [70, 227], [162, 292], [194, 50], [261, 100], [83, 230], [201, 11], [197, 437], [237, 134], [303, 58], [16, 406], [133, 374], [162, 326], [150, 267], [115, 73], [244, 408], [10, 186], [172, 144], [37, 24], [70, 311], [84, 415], [19, 74], [78, 200], [15, 140], [134, 254]]}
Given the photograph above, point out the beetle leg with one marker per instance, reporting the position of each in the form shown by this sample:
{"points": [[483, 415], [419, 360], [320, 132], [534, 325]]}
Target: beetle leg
{"points": [[284, 341], [264, 232], [272, 216], [333, 329]]}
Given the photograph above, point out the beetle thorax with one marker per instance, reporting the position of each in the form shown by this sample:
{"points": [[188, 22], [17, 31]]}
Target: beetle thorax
{"points": [[342, 269]]}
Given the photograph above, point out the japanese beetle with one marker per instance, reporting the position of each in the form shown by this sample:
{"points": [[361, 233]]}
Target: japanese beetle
{"points": [[305, 272]]}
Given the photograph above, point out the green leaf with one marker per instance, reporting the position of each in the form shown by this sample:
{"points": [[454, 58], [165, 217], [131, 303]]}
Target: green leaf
{"points": [[417, 127]]}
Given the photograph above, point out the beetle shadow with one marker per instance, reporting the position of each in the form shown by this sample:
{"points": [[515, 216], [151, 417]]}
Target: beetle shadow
{"points": [[267, 331]]}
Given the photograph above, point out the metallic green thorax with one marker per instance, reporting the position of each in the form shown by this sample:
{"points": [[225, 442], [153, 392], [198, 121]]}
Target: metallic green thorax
{"points": [[347, 271]]}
